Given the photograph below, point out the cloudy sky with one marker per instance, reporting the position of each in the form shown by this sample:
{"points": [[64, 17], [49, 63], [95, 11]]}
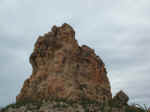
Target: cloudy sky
{"points": [[118, 30]]}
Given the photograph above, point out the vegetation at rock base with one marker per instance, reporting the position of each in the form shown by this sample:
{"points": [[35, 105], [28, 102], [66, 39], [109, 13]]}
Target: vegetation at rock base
{"points": [[22, 103], [86, 105]]}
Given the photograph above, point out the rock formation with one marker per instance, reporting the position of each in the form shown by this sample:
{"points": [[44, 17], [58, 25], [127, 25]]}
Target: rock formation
{"points": [[63, 69], [67, 77]]}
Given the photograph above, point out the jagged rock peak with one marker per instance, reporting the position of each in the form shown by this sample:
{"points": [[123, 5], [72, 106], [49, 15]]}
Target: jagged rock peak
{"points": [[65, 28], [63, 69]]}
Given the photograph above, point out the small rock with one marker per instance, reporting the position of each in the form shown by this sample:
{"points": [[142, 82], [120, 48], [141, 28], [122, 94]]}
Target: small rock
{"points": [[121, 98]]}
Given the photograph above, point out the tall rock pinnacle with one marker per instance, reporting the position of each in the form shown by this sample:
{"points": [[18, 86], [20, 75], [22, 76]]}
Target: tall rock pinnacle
{"points": [[63, 69]]}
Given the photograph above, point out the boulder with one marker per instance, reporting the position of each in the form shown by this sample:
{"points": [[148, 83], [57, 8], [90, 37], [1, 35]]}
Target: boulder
{"points": [[121, 98]]}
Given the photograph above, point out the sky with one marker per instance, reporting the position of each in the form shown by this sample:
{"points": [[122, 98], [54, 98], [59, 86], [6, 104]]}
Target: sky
{"points": [[118, 30]]}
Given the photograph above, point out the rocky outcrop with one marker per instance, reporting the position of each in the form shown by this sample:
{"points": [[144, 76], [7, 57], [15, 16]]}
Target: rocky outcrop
{"points": [[63, 69], [67, 77]]}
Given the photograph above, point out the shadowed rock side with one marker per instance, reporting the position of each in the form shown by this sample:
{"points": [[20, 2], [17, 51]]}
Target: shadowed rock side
{"points": [[63, 69]]}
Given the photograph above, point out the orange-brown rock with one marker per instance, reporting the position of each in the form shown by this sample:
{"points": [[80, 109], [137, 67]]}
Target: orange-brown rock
{"points": [[63, 69]]}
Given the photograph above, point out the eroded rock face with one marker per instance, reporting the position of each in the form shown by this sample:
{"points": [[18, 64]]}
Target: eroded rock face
{"points": [[63, 69]]}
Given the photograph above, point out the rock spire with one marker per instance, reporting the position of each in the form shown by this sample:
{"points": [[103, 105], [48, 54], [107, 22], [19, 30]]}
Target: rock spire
{"points": [[63, 69]]}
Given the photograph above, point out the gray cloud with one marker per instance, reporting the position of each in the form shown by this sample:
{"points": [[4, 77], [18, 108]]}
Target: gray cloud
{"points": [[117, 30]]}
